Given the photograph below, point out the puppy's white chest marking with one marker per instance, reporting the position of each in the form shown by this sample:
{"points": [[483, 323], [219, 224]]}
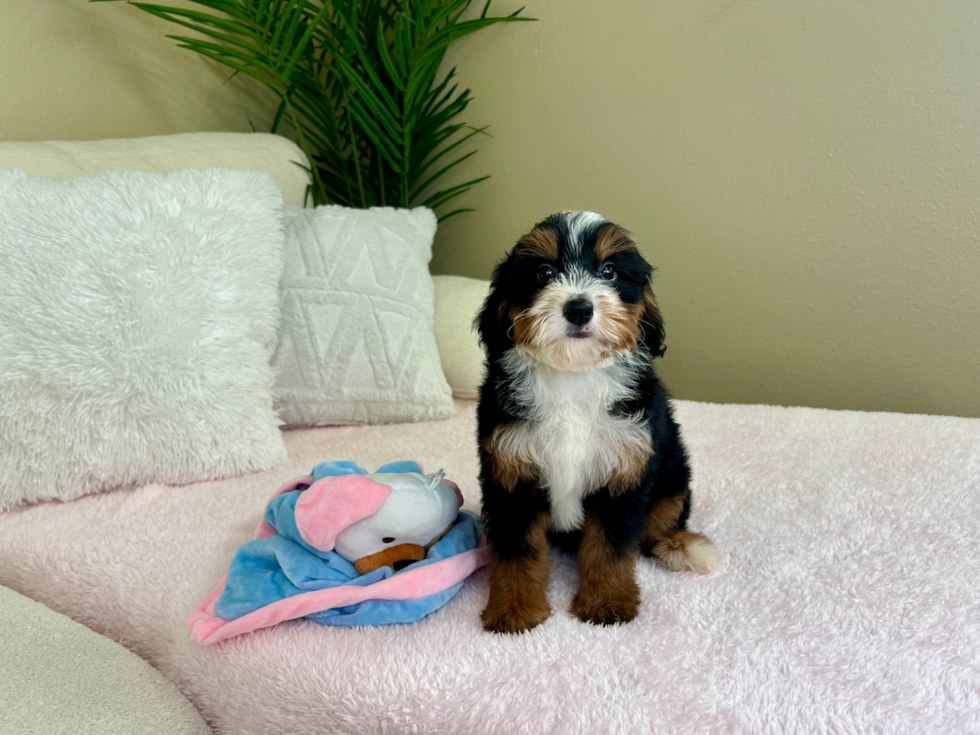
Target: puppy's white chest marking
{"points": [[571, 437], [575, 442]]}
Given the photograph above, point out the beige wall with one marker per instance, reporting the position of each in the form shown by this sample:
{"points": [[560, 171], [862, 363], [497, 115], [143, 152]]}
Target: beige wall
{"points": [[805, 175], [73, 70]]}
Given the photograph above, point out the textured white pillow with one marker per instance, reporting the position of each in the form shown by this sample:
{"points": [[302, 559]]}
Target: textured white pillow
{"points": [[357, 343], [138, 314]]}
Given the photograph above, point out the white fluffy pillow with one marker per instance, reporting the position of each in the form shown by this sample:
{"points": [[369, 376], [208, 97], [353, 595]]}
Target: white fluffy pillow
{"points": [[357, 343], [138, 314]]}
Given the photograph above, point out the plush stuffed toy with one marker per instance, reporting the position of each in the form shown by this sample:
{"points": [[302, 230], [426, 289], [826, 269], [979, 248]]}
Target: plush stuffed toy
{"points": [[344, 547], [415, 511]]}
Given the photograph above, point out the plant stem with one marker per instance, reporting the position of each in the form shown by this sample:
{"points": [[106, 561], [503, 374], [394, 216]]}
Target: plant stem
{"points": [[319, 195], [357, 160]]}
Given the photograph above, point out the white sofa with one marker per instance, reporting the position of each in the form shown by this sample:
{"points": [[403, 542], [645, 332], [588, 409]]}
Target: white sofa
{"points": [[57, 676], [847, 600]]}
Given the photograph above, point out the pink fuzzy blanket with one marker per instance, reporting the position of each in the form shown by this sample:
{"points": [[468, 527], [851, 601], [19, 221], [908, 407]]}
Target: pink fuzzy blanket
{"points": [[848, 600]]}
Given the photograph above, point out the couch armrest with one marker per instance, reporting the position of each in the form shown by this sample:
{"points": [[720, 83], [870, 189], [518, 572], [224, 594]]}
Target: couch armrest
{"points": [[57, 676]]}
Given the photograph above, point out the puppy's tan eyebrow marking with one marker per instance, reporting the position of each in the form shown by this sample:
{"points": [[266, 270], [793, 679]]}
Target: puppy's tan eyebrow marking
{"points": [[541, 242], [611, 240]]}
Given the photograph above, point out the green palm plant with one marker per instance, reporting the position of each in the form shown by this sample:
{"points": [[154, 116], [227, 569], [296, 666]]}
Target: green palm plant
{"points": [[358, 87]]}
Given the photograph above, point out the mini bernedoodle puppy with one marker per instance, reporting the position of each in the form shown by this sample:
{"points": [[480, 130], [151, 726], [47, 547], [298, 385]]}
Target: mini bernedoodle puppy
{"points": [[578, 444]]}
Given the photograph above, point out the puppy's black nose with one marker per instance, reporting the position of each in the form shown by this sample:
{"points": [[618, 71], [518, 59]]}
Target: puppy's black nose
{"points": [[578, 312]]}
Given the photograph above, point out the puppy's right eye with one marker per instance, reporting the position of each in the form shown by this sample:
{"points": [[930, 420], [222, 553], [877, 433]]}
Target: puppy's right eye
{"points": [[545, 273]]}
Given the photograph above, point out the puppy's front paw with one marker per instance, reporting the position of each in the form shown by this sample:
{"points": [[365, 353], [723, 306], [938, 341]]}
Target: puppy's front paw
{"points": [[513, 617], [619, 606]]}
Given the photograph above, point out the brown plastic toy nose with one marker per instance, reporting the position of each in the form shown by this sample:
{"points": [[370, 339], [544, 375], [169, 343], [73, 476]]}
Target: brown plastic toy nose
{"points": [[579, 311], [397, 557]]}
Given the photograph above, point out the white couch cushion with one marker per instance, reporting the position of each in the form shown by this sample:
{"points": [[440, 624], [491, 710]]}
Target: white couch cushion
{"points": [[458, 300], [58, 677], [273, 154], [848, 594]]}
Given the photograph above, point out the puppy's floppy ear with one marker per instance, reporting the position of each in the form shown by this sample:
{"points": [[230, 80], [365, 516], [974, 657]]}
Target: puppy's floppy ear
{"points": [[652, 324], [492, 323]]}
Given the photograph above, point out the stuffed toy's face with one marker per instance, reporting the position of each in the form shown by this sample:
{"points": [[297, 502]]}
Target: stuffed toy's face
{"points": [[419, 510]]}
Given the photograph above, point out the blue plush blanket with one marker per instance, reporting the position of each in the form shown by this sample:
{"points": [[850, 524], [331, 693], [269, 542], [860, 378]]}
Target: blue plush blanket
{"points": [[265, 571]]}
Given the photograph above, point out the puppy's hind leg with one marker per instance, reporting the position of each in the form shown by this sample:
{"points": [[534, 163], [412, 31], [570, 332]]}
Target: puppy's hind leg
{"points": [[671, 544], [665, 536]]}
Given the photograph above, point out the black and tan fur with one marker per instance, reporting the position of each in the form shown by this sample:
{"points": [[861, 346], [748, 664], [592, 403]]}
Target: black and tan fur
{"points": [[578, 444]]}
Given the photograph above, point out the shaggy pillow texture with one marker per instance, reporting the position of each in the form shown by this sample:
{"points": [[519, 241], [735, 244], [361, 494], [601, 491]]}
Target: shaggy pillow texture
{"points": [[138, 315], [357, 344]]}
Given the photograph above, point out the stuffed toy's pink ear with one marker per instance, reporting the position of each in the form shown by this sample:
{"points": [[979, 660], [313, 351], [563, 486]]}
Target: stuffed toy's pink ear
{"points": [[297, 483], [330, 505]]}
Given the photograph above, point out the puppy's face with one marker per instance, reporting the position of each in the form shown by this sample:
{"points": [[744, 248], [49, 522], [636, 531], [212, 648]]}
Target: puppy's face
{"points": [[573, 291]]}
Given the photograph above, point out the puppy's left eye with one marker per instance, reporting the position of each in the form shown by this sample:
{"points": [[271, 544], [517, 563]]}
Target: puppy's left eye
{"points": [[608, 271], [545, 273]]}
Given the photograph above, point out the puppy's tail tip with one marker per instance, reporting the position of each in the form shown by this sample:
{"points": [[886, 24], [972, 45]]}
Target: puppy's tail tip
{"points": [[686, 551]]}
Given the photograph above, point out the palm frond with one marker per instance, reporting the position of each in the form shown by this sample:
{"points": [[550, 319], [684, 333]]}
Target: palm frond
{"points": [[358, 86]]}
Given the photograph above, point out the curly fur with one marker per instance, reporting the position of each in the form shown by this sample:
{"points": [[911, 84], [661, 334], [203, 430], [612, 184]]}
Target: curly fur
{"points": [[574, 425]]}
